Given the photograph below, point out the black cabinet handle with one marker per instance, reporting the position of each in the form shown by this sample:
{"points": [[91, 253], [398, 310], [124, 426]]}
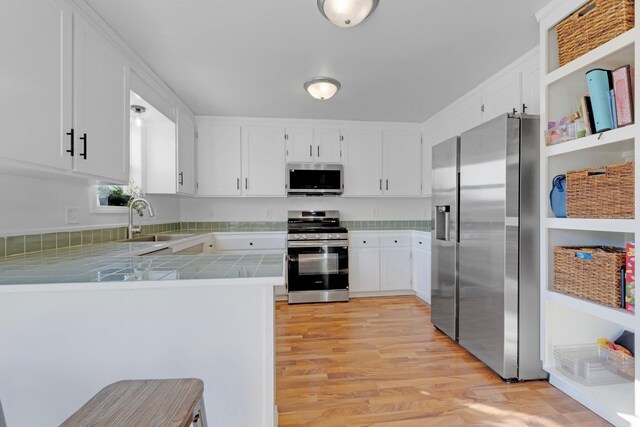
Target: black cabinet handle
{"points": [[83, 138], [246, 183], [250, 243], [72, 135], [237, 183], [318, 151], [419, 243], [380, 184], [387, 185], [364, 241], [311, 151], [181, 175], [395, 241]]}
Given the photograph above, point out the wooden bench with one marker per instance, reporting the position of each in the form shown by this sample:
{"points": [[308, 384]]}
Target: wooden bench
{"points": [[139, 403]]}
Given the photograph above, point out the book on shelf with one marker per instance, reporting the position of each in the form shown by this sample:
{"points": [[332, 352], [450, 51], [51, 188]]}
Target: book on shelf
{"points": [[623, 88], [630, 278], [587, 114], [600, 84], [612, 108]]}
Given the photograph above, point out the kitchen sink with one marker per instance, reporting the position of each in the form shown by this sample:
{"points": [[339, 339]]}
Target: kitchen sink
{"points": [[158, 238]]}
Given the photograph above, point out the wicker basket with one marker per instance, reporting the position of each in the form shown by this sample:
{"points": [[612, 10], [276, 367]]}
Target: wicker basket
{"points": [[597, 22], [591, 273], [605, 192]]}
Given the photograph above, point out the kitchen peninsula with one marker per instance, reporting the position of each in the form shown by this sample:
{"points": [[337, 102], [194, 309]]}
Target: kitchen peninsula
{"points": [[75, 320]]}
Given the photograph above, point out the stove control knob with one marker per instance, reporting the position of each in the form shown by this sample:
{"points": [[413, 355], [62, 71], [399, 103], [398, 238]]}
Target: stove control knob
{"points": [[317, 236], [295, 237], [304, 236]]}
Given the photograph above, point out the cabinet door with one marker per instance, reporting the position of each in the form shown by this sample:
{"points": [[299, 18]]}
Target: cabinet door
{"points": [[219, 160], [186, 154], [36, 41], [100, 105], [364, 270], [395, 268], [434, 133], [263, 161], [401, 163], [530, 72], [422, 274], [464, 115], [328, 148], [363, 163], [300, 148], [501, 96]]}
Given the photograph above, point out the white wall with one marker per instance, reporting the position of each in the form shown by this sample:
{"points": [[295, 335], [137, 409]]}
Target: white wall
{"points": [[275, 209], [35, 205]]}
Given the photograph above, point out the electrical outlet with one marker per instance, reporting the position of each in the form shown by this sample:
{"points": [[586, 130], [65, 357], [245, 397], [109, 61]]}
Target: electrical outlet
{"points": [[72, 215], [212, 214], [269, 213], [375, 212]]}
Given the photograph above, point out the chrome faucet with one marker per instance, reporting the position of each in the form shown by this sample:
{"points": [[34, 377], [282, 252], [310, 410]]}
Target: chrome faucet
{"points": [[137, 229]]}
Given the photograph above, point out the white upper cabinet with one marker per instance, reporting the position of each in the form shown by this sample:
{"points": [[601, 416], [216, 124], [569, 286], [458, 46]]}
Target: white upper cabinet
{"points": [[36, 43], [300, 145], [362, 162], [263, 161], [308, 145], [186, 154], [433, 133], [501, 96], [219, 160], [464, 115], [101, 105], [530, 72], [328, 146], [61, 72], [401, 162]]}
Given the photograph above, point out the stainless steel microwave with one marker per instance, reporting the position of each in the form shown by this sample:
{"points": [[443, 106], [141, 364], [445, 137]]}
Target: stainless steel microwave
{"points": [[314, 179]]}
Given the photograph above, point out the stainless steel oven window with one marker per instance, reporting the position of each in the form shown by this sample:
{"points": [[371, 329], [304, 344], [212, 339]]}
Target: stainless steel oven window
{"points": [[317, 264]]}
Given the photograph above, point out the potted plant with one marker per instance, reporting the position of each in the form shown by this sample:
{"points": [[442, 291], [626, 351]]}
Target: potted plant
{"points": [[117, 197], [103, 192]]}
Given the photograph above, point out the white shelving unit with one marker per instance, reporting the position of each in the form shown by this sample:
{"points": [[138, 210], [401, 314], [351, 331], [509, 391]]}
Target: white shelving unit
{"points": [[566, 319]]}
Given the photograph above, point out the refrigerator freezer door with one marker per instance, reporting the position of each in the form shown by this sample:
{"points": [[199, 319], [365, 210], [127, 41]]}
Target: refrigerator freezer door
{"points": [[488, 251], [444, 298]]}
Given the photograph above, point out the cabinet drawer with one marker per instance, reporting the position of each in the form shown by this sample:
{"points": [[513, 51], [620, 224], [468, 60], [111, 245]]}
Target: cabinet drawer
{"points": [[420, 242], [364, 241], [249, 243], [390, 241]]}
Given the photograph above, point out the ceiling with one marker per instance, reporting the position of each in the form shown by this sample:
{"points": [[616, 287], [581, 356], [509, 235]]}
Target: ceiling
{"points": [[406, 62]]}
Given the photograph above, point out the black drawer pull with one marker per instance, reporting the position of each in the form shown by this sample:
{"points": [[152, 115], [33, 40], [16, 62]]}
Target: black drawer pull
{"points": [[72, 135], [364, 241], [83, 138], [250, 243], [396, 241]]}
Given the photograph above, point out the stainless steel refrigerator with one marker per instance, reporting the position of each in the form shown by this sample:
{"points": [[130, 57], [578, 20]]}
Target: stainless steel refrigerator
{"points": [[485, 244]]}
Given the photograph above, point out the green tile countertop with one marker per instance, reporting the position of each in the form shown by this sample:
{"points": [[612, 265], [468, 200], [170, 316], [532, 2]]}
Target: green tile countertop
{"points": [[122, 262]]}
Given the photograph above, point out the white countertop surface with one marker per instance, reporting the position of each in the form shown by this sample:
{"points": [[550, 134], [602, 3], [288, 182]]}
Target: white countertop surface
{"points": [[108, 263]]}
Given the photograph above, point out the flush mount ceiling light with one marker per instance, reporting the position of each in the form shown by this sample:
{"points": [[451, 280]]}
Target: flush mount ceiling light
{"points": [[136, 117], [346, 13], [322, 87]]}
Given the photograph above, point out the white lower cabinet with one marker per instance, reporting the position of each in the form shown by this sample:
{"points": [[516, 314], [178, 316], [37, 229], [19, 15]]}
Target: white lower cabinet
{"points": [[364, 274], [421, 265], [379, 262]]}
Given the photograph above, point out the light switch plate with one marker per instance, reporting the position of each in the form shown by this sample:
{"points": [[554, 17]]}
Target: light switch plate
{"points": [[72, 215]]}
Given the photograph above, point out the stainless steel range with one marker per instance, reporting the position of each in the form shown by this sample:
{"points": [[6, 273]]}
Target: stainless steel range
{"points": [[318, 254]]}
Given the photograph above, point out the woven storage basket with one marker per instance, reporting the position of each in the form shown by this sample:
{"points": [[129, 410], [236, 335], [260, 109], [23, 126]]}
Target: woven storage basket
{"points": [[605, 192], [597, 22], [591, 273]]}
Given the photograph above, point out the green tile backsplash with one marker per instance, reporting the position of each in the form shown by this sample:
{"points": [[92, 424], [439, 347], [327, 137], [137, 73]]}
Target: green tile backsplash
{"points": [[17, 245]]}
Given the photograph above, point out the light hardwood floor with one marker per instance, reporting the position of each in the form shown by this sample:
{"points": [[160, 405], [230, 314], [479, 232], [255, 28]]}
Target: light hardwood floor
{"points": [[380, 362]]}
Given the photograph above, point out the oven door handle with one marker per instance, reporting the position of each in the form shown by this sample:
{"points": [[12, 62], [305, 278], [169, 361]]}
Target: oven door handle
{"points": [[319, 244]]}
